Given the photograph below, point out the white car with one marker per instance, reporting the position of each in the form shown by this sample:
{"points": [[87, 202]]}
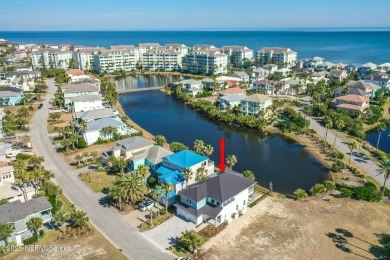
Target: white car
{"points": [[146, 205]]}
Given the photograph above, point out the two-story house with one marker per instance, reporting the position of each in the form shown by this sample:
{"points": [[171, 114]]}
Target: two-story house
{"points": [[255, 103], [138, 151], [216, 200], [9, 190], [70, 91], [352, 102], [18, 214], [173, 166], [86, 102]]}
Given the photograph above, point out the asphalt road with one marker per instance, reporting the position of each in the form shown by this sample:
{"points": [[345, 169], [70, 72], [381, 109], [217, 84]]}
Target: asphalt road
{"points": [[126, 238], [359, 158]]}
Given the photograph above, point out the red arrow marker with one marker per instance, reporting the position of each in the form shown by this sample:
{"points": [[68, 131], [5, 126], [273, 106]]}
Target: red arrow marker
{"points": [[222, 165]]}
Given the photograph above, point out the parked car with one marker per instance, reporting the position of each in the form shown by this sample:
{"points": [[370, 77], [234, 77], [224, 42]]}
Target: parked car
{"points": [[146, 205], [9, 136], [40, 106]]}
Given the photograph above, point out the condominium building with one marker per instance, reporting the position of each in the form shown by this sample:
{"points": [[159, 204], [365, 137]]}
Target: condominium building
{"points": [[206, 59], [162, 59], [180, 48], [144, 47], [84, 57], [238, 56], [276, 55], [51, 59], [116, 58]]}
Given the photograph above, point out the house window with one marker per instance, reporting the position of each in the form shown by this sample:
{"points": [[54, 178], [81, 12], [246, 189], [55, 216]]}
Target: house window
{"points": [[189, 201], [244, 203], [236, 207]]}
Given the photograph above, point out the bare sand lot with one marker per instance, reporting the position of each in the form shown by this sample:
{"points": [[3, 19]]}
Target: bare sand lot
{"points": [[279, 228]]}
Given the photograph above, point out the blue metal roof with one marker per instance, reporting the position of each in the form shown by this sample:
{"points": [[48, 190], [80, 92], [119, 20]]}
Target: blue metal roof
{"points": [[169, 175], [185, 159]]}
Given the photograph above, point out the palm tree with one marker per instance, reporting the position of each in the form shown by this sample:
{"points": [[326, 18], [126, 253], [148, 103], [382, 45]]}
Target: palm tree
{"points": [[167, 188], [115, 194], [201, 173], [384, 168], [78, 159], [59, 219], [121, 164], [156, 194], [208, 150], [339, 125], [277, 87], [188, 174], [35, 223], [231, 160], [381, 128], [6, 229], [328, 124], [78, 218], [352, 146], [198, 146], [143, 171], [132, 187], [249, 175]]}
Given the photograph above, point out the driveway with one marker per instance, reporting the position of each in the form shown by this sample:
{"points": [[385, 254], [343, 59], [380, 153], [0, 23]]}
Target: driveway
{"points": [[168, 232], [128, 239]]}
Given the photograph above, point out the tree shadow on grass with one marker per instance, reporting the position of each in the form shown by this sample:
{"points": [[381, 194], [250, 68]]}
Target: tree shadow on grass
{"points": [[381, 251]]}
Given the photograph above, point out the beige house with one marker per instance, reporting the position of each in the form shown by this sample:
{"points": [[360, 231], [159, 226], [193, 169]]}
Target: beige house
{"points": [[352, 103], [255, 103]]}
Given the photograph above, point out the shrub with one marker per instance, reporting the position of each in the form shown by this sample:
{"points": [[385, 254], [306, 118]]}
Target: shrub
{"points": [[190, 240], [317, 189], [56, 207], [329, 185], [368, 192], [300, 194], [152, 181], [338, 155], [22, 156], [338, 166], [41, 232], [31, 240], [163, 211], [345, 192], [81, 143]]}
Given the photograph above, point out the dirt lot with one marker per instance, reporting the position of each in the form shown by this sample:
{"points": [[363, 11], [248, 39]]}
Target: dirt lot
{"points": [[61, 122], [279, 228]]}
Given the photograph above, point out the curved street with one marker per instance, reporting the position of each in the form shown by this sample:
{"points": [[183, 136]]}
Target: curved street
{"points": [[126, 238]]}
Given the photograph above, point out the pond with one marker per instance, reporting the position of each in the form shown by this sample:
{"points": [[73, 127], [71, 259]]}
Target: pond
{"points": [[272, 158]]}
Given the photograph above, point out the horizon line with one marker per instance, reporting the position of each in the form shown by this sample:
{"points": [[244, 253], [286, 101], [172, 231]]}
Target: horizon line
{"points": [[360, 28]]}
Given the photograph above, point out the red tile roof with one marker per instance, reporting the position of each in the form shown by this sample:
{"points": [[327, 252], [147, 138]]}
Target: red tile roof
{"points": [[353, 98], [76, 72], [351, 107]]}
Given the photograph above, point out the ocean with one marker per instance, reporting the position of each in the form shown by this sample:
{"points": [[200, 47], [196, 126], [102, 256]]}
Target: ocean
{"points": [[351, 47]]}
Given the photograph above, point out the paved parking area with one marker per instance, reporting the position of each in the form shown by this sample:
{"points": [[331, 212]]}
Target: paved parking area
{"points": [[136, 217], [168, 232]]}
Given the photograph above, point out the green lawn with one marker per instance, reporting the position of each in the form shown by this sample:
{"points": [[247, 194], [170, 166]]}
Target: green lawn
{"points": [[99, 180], [156, 221]]}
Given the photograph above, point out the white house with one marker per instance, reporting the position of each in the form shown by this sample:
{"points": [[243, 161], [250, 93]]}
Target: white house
{"points": [[96, 114], [94, 129], [70, 91], [11, 191], [86, 102], [231, 101], [218, 199], [255, 103], [366, 68]]}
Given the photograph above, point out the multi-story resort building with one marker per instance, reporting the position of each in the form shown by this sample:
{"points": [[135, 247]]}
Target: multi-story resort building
{"points": [[116, 58], [206, 59], [51, 59], [84, 57], [238, 56], [162, 59], [180, 48], [276, 55]]}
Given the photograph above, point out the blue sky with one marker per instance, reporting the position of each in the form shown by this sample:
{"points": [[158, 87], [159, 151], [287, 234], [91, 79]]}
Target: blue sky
{"points": [[191, 14]]}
